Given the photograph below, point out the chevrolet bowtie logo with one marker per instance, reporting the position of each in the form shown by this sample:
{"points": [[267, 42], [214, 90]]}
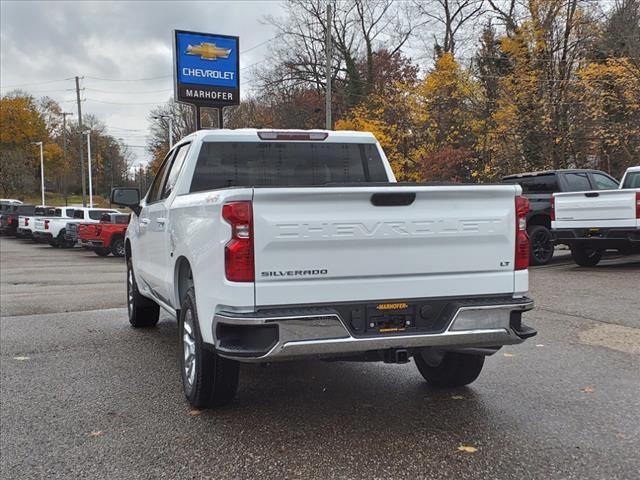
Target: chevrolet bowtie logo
{"points": [[208, 51]]}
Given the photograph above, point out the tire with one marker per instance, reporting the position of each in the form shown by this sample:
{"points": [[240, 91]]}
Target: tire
{"points": [[62, 243], [117, 247], [143, 312], [452, 369], [541, 241], [585, 257], [54, 244], [102, 252], [208, 380]]}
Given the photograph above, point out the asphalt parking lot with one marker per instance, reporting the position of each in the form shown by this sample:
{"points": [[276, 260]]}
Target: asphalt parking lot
{"points": [[83, 395]]}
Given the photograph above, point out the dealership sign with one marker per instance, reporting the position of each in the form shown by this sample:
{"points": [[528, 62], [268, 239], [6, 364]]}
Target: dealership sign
{"points": [[206, 69]]}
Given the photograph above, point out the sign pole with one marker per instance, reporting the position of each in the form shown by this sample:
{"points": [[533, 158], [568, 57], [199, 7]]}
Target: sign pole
{"points": [[198, 117], [221, 117]]}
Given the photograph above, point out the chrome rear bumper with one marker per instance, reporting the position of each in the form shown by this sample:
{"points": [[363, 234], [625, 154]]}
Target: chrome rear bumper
{"points": [[324, 334]]}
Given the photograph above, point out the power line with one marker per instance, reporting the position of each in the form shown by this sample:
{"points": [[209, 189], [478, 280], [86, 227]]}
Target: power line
{"points": [[16, 85], [124, 103], [138, 92], [129, 79]]}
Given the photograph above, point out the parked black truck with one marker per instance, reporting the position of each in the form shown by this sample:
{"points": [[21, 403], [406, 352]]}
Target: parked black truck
{"points": [[538, 187]]}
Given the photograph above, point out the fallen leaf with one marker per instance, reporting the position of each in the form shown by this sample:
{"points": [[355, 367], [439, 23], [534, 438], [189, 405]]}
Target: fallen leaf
{"points": [[195, 412], [457, 397], [96, 433], [507, 354], [467, 449], [587, 389], [21, 359], [621, 435]]}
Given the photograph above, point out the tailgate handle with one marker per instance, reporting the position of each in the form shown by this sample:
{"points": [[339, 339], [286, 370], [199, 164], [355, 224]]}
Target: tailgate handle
{"points": [[393, 199], [592, 194]]}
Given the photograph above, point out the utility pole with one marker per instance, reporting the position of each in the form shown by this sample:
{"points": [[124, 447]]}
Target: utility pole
{"points": [[170, 120], [327, 44], [41, 168], [64, 149], [88, 134], [84, 188]]}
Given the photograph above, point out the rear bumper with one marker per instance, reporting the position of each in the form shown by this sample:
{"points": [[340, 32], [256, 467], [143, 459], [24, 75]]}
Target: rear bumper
{"points": [[323, 332], [92, 244], [599, 238]]}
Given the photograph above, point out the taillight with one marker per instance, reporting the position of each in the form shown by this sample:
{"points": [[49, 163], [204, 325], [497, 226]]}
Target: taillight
{"points": [[238, 253], [46, 224], [638, 205], [553, 208], [522, 239], [9, 221]]}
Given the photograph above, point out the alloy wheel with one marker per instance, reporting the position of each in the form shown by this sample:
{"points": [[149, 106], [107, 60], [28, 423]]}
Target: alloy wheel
{"points": [[189, 349]]}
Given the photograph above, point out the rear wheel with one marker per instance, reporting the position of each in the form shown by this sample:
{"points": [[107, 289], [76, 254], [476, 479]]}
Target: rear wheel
{"points": [[143, 312], [102, 252], [208, 379], [117, 247], [448, 369], [542, 244], [585, 256]]}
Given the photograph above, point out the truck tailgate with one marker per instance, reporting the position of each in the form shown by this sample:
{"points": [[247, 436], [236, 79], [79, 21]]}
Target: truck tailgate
{"points": [[334, 244], [603, 208]]}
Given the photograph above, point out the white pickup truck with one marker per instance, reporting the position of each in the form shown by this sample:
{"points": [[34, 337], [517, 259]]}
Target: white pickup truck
{"points": [[51, 229], [280, 245], [594, 221]]}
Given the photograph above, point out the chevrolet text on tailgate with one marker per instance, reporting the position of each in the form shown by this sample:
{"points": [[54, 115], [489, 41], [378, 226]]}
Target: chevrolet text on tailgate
{"points": [[282, 245]]}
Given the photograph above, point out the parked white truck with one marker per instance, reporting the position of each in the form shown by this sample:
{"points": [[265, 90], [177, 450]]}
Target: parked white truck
{"points": [[594, 221], [281, 245], [51, 229]]}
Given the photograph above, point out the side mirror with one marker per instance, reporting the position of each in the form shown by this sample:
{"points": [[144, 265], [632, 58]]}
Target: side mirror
{"points": [[127, 197]]}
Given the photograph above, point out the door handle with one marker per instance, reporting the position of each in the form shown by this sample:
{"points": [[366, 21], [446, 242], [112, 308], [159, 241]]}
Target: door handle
{"points": [[144, 222], [161, 220]]}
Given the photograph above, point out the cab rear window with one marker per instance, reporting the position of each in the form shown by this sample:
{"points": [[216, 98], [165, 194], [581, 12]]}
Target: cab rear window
{"points": [[536, 184], [248, 164]]}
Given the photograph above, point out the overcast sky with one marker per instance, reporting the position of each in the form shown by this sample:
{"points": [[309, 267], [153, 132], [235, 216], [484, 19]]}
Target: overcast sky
{"points": [[107, 42]]}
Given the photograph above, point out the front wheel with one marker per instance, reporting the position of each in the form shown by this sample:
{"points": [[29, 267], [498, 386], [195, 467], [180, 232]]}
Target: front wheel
{"points": [[586, 257], [143, 312], [448, 369], [541, 241], [208, 379]]}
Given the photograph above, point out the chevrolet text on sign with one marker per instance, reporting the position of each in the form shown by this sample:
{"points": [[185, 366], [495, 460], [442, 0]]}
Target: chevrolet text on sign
{"points": [[206, 69]]}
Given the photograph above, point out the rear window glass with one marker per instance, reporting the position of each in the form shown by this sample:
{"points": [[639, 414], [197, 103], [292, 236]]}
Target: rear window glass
{"points": [[248, 164], [96, 214], [26, 210], [39, 211], [632, 180], [122, 219], [536, 184]]}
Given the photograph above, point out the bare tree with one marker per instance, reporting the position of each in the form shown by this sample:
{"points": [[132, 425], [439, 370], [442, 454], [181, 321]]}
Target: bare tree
{"points": [[450, 17], [359, 28]]}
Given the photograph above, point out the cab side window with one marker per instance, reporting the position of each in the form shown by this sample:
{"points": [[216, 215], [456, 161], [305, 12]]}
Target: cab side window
{"points": [[174, 170], [156, 187], [577, 182], [602, 182]]}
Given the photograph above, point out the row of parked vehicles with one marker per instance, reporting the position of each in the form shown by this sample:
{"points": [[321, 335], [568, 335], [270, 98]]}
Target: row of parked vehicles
{"points": [[281, 245], [587, 210], [99, 229]]}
